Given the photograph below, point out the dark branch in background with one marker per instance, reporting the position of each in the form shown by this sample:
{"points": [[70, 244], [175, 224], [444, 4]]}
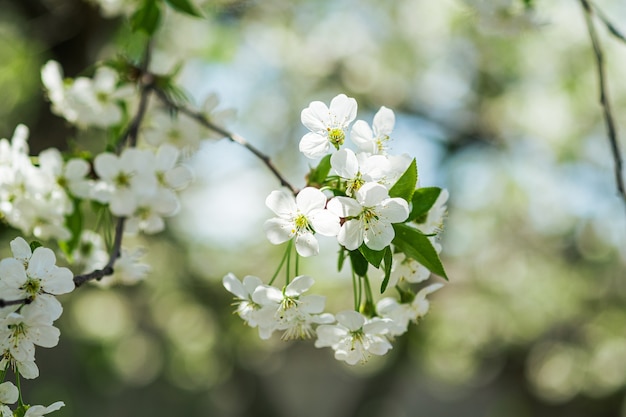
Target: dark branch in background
{"points": [[604, 98], [603, 17], [116, 252], [233, 137]]}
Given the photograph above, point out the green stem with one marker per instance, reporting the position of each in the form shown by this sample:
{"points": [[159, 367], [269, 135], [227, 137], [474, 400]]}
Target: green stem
{"points": [[355, 292], [288, 262], [280, 265], [19, 387], [297, 272]]}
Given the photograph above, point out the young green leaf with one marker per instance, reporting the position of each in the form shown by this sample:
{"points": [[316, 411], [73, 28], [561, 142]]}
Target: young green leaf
{"points": [[318, 175], [387, 262], [147, 17], [405, 185], [34, 245], [416, 245], [341, 258], [374, 257], [422, 201], [359, 263], [184, 6]]}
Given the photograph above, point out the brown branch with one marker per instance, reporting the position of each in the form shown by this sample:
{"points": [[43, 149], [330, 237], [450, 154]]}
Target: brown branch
{"points": [[604, 98], [233, 137]]}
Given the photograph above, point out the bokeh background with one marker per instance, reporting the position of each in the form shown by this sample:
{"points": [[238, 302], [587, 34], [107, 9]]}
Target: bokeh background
{"points": [[533, 320]]}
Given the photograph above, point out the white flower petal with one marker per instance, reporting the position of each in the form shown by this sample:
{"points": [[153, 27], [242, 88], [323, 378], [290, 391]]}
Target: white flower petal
{"points": [[314, 146], [279, 230], [325, 222], [345, 163], [351, 319], [309, 199], [316, 117], [282, 203], [306, 244], [299, 285]]}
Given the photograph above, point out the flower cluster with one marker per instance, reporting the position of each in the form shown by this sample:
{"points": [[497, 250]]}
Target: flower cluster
{"points": [[370, 202], [135, 179], [33, 277]]}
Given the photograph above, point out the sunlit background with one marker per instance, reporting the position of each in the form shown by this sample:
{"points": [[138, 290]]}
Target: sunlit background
{"points": [[533, 320]]}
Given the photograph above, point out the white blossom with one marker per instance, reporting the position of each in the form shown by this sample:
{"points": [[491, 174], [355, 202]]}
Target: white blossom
{"points": [[374, 139], [368, 217], [124, 179], [8, 395], [293, 312], [401, 314], [300, 217], [327, 125], [354, 338], [253, 313]]}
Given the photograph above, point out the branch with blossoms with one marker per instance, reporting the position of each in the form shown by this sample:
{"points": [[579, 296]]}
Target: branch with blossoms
{"points": [[384, 223], [367, 199]]}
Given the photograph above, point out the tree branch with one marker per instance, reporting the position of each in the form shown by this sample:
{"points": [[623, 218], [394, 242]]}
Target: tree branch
{"points": [[604, 98], [233, 137]]}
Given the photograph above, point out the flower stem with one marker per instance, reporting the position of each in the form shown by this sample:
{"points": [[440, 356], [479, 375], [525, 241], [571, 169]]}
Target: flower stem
{"points": [[280, 265]]}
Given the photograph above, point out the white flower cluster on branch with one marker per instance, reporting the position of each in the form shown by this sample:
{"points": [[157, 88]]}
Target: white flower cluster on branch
{"points": [[370, 202]]}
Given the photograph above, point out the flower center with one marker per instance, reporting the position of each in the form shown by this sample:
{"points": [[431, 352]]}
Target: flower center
{"points": [[122, 180], [336, 136], [354, 184], [368, 215], [32, 286], [301, 222]]}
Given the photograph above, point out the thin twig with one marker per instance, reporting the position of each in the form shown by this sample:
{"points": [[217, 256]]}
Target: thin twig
{"points": [[233, 137], [605, 19], [604, 98]]}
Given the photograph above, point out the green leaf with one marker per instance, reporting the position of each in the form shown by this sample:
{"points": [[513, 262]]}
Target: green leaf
{"points": [[387, 261], [147, 17], [422, 201], [359, 263], [374, 257], [318, 175], [416, 245], [74, 222], [184, 6], [405, 185], [341, 258], [34, 245]]}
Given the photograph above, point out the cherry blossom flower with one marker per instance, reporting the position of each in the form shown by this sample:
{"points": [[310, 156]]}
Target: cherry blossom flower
{"points": [[253, 313], [327, 126], [368, 217], [374, 140], [20, 332], [124, 178], [354, 338], [300, 217], [401, 314], [71, 175], [405, 269], [8, 395], [358, 169], [35, 277], [293, 312]]}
